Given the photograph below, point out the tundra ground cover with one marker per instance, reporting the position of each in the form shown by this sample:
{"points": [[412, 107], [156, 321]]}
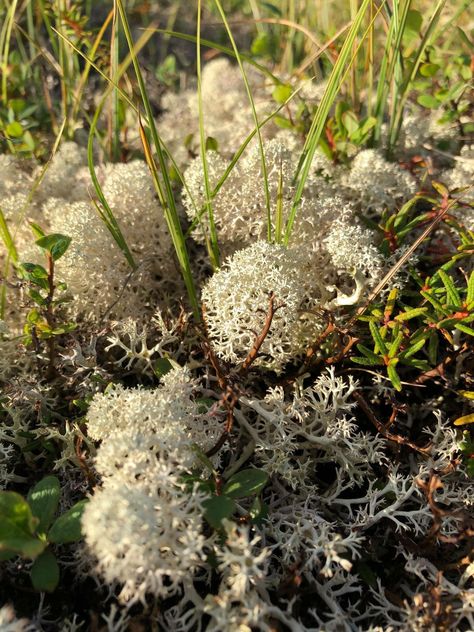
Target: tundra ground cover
{"points": [[237, 312]]}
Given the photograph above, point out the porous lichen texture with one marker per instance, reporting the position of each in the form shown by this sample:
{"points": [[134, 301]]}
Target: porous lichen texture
{"points": [[287, 458]]}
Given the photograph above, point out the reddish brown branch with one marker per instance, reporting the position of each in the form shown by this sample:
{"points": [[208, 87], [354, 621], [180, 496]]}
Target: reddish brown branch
{"points": [[260, 339], [390, 436]]}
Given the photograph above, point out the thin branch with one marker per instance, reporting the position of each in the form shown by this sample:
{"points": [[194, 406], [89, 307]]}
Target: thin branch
{"points": [[260, 339], [390, 436]]}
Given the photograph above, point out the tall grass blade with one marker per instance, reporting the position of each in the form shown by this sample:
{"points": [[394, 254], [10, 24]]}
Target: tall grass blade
{"points": [[113, 84], [214, 247], [254, 114], [224, 49], [5, 39], [319, 121], [165, 194], [104, 209], [88, 65], [402, 95], [12, 255], [391, 70], [114, 115]]}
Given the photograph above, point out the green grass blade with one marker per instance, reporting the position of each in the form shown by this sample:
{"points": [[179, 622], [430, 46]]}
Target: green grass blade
{"points": [[319, 121], [105, 212], [7, 238], [214, 246], [255, 117], [224, 49], [236, 158], [5, 40], [166, 194], [12, 255], [402, 95]]}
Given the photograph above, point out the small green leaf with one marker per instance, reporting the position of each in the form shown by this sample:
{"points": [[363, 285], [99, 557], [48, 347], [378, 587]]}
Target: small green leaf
{"points": [[350, 122], [465, 329], [67, 528], [45, 572], [439, 186], [366, 361], [38, 232], [245, 483], [428, 70], [282, 93], [36, 296], [414, 348], [413, 24], [411, 313], [161, 367], [451, 290], [211, 144], [428, 101], [14, 129], [56, 244], [377, 336], [43, 499], [470, 288], [15, 508], [395, 345], [17, 527], [436, 304], [33, 271], [394, 377], [370, 355], [217, 508]]}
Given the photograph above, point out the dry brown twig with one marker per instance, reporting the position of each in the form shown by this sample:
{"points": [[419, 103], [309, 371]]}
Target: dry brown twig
{"points": [[383, 429], [230, 390]]}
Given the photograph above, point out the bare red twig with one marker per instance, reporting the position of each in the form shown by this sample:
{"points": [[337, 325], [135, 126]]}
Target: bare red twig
{"points": [[390, 436], [259, 340], [230, 390], [429, 488]]}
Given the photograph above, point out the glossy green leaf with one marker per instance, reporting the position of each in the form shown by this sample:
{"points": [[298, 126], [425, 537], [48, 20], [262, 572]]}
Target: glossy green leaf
{"points": [[45, 572], [56, 244], [67, 528], [428, 101], [17, 527], [14, 129], [245, 483], [43, 499], [217, 508], [282, 93]]}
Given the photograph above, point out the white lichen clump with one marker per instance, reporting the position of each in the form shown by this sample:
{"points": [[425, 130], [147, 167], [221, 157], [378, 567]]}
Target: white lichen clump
{"points": [[144, 525], [146, 533], [170, 410], [314, 426], [10, 623], [97, 273], [240, 207], [237, 302], [376, 184]]}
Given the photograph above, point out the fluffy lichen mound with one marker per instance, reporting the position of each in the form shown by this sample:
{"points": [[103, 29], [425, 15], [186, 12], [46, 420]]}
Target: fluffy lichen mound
{"points": [[237, 303]]}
